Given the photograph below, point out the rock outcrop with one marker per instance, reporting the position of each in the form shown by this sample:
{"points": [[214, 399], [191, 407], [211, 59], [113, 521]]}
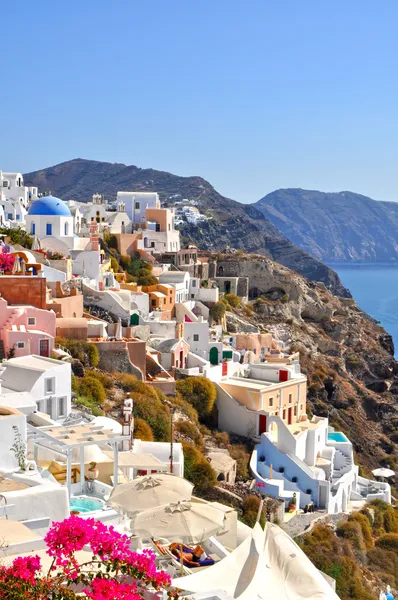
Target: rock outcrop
{"points": [[347, 356]]}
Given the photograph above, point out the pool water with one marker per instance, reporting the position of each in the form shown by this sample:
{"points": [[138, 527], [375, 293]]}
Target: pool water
{"points": [[337, 436], [84, 505]]}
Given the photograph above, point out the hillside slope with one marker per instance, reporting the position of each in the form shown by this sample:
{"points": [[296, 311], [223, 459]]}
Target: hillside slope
{"points": [[347, 356], [335, 226], [233, 224]]}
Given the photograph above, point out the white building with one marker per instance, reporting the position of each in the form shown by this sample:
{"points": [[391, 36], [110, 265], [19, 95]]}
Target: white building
{"points": [[180, 280], [44, 380], [50, 219], [136, 204], [14, 199]]}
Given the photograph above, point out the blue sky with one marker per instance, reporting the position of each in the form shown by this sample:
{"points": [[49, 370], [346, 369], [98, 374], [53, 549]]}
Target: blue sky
{"points": [[253, 95]]}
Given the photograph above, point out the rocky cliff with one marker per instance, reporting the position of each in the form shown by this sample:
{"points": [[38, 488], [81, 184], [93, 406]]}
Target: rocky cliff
{"points": [[231, 224], [348, 357], [341, 226]]}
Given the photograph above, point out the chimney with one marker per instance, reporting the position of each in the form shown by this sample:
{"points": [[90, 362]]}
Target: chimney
{"points": [[179, 331]]}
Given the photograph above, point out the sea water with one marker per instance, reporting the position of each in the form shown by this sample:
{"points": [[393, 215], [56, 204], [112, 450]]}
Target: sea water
{"points": [[374, 286]]}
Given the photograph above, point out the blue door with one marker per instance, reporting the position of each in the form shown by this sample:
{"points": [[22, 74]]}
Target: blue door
{"points": [[49, 229]]}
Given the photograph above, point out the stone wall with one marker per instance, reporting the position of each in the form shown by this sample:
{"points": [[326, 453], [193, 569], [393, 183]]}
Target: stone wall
{"points": [[24, 290], [115, 358]]}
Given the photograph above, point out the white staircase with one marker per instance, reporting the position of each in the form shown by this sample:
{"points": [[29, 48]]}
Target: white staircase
{"points": [[345, 465]]}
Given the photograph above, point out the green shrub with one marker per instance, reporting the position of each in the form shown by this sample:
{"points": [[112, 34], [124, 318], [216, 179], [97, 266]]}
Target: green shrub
{"points": [[200, 392], [142, 431], [232, 299], [285, 298], [106, 381], [124, 261], [384, 564], [197, 469], [114, 265], [217, 311], [90, 388], [365, 526], [84, 351], [185, 407], [221, 438], [351, 530], [189, 430], [111, 240], [391, 520], [250, 508], [388, 541], [84, 402], [147, 279], [150, 409], [242, 457]]}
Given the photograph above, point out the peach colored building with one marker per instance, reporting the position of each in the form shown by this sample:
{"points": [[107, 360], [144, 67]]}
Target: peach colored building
{"points": [[248, 402], [161, 297], [26, 330], [259, 343]]}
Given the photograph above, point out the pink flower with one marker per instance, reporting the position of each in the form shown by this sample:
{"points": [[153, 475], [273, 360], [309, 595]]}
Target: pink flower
{"points": [[106, 589], [25, 567]]}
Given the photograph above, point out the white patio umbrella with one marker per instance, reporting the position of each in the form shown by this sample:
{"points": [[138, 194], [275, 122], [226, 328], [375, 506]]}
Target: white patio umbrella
{"points": [[119, 331], [183, 522], [149, 491], [35, 243], [383, 472]]}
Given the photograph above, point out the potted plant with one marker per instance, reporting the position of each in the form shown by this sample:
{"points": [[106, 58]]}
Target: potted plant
{"points": [[19, 448]]}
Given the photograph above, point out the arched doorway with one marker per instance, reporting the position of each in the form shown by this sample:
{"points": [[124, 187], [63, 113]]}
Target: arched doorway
{"points": [[134, 319], [214, 356]]}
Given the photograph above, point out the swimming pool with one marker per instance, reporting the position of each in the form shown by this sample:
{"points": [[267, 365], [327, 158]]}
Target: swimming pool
{"points": [[337, 436], [84, 504]]}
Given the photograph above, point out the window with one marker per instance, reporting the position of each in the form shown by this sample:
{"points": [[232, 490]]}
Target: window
{"points": [[295, 410], [33, 228], [195, 337], [271, 401], [31, 320], [157, 228], [66, 228], [5, 183], [290, 398], [49, 229], [169, 226], [62, 407], [49, 385], [21, 345], [152, 244], [193, 282], [284, 414], [137, 206], [153, 303], [17, 217], [9, 216]]}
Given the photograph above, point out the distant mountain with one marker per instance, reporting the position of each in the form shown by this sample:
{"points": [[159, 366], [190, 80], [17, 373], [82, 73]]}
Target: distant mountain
{"points": [[335, 226], [233, 224]]}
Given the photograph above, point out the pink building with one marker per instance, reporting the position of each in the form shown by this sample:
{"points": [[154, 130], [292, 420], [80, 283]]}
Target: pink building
{"points": [[26, 330]]}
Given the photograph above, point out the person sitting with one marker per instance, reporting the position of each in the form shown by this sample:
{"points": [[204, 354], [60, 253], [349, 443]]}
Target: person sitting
{"points": [[192, 557]]}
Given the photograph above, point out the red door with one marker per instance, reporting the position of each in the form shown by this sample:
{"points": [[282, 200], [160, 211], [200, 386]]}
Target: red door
{"points": [[283, 375], [224, 369], [289, 415], [44, 348], [262, 424]]}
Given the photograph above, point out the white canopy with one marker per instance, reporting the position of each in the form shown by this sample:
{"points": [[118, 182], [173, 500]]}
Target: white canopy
{"points": [[150, 491], [185, 522], [383, 472], [268, 564]]}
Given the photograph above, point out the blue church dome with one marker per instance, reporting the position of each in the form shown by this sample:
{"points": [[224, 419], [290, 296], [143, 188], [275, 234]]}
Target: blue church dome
{"points": [[49, 205]]}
